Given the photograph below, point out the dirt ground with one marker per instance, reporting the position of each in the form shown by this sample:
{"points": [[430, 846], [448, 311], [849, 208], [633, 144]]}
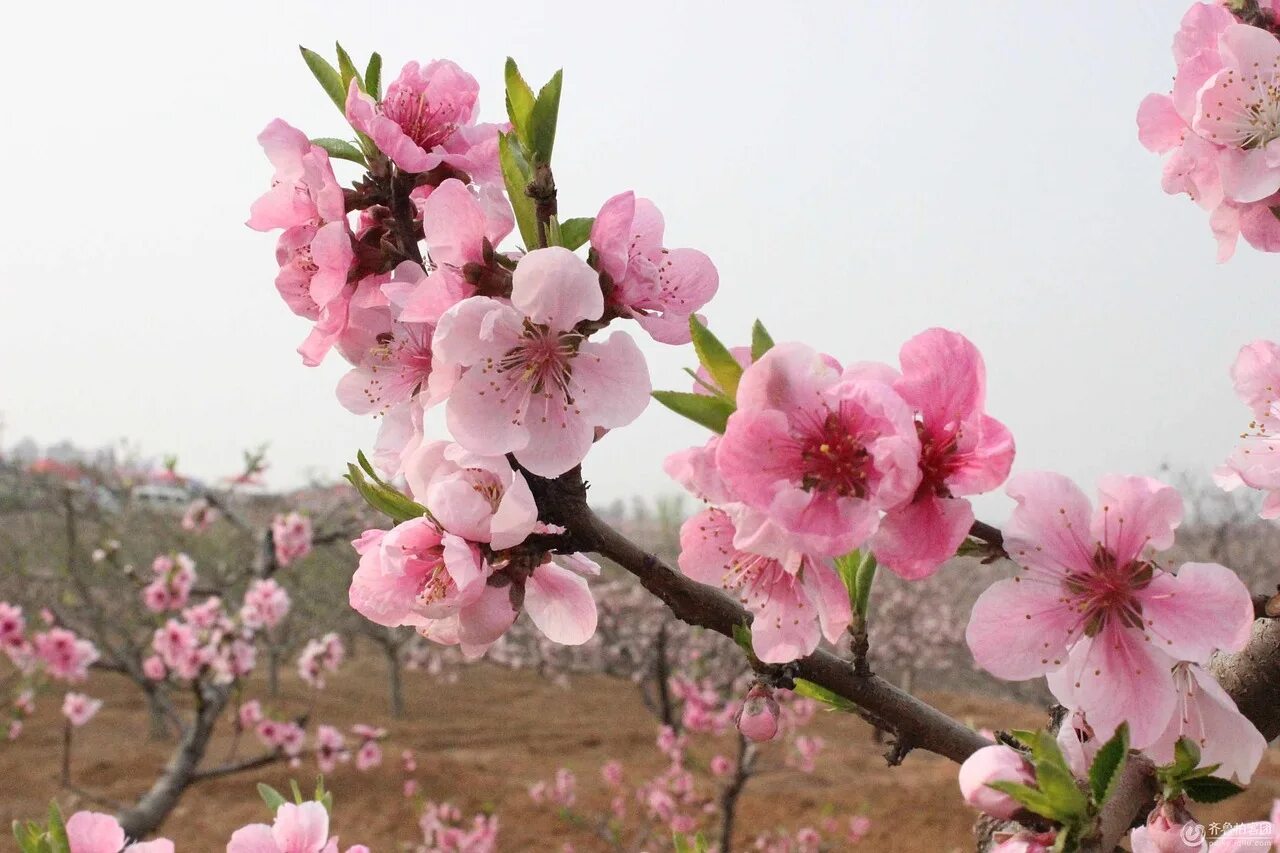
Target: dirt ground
{"points": [[482, 740]]}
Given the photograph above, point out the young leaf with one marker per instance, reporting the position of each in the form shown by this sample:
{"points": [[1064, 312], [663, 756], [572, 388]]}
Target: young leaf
{"points": [[761, 341], [866, 576], [516, 177], [1108, 763], [270, 796], [297, 792], [711, 412], [1032, 799], [542, 120], [575, 232], [327, 76], [829, 698], [847, 568], [742, 636], [520, 101], [1210, 789], [347, 70], [1186, 757], [341, 149], [716, 358], [58, 841], [1059, 786], [373, 76]]}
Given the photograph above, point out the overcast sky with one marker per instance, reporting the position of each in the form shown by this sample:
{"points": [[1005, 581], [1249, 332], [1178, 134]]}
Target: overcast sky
{"points": [[857, 171]]}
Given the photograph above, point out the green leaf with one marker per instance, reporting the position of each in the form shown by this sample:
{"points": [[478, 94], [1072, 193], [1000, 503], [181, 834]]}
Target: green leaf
{"points": [[270, 796], [847, 568], [297, 792], [385, 499], [1059, 786], [520, 101], [575, 232], [1210, 789], [1186, 757], [761, 341], [716, 358], [342, 149], [327, 76], [827, 697], [1108, 763], [373, 76], [348, 72], [515, 175], [742, 636], [542, 120], [1032, 799], [702, 383], [866, 576], [711, 412], [58, 841]]}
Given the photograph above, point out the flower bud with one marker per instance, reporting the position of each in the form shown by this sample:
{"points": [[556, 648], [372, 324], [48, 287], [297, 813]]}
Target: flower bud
{"points": [[758, 717], [1026, 842], [1170, 829], [995, 763]]}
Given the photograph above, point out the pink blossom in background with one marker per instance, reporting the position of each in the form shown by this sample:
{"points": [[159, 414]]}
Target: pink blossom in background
{"points": [[65, 656], [532, 385], [179, 649], [173, 578], [1072, 612], [796, 598], [368, 756], [266, 603], [818, 450], [421, 112], [13, 626], [320, 656], [721, 765], [660, 288], [1256, 462], [996, 763], [94, 832], [79, 708], [153, 668], [479, 498], [291, 536], [445, 831], [963, 451], [330, 748], [611, 772], [199, 516]]}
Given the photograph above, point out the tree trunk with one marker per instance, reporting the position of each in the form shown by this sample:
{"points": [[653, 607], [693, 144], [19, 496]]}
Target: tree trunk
{"points": [[729, 796], [145, 816], [395, 691]]}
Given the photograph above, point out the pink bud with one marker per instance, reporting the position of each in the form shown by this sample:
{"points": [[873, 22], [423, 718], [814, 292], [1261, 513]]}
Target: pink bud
{"points": [[1170, 829], [1026, 842], [994, 763], [758, 717]]}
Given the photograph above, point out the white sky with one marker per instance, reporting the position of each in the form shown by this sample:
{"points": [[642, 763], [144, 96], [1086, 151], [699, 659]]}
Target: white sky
{"points": [[858, 172]]}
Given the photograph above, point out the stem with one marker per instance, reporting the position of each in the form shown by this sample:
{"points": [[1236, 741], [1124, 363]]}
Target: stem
{"points": [[402, 214], [66, 754], [729, 796]]}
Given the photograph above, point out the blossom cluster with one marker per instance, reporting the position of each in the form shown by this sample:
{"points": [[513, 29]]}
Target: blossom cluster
{"points": [[204, 640], [170, 588], [320, 656], [1256, 462], [291, 537], [818, 460], [1220, 123], [55, 653]]}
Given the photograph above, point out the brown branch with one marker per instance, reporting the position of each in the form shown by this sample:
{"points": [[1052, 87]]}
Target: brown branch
{"points": [[232, 767]]}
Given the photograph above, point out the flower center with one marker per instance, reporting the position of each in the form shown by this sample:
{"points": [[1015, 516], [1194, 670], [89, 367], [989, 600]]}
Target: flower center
{"points": [[833, 460], [1106, 592], [428, 124], [938, 460], [543, 360]]}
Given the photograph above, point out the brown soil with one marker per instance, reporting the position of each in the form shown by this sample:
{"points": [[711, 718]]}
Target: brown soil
{"points": [[481, 741]]}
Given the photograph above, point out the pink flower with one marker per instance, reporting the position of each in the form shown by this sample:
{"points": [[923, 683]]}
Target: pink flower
{"points": [[996, 763], [1026, 841], [476, 497], [303, 190], [1256, 462], [266, 603], [795, 598], [758, 717], [153, 668], [1170, 829], [329, 748], [817, 450], [963, 451], [368, 756], [79, 708], [296, 829], [394, 368], [64, 655], [534, 386], [695, 469], [1206, 713], [1093, 610], [721, 765], [94, 832], [200, 516], [250, 714], [12, 626], [423, 109], [291, 535], [611, 772], [660, 288]]}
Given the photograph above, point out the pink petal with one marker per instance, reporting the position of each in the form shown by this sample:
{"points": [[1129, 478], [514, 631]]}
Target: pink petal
{"points": [[484, 620], [611, 234], [555, 439], [254, 838], [1020, 628], [612, 381], [789, 376], [1048, 529], [784, 629], [301, 828], [1202, 609], [453, 224], [706, 546], [1246, 175], [986, 464], [914, 540], [560, 604], [515, 517], [331, 250], [1135, 513], [1256, 375], [943, 377], [556, 288], [1260, 227], [94, 832], [1160, 128], [476, 329], [829, 595]]}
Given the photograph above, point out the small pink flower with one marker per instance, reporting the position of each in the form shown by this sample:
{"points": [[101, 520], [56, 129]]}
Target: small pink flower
{"points": [[721, 765], [758, 717], [818, 451], [250, 714], [266, 603], [611, 772], [304, 189], [795, 598], [79, 708], [1256, 462], [153, 668], [200, 516], [291, 536], [1092, 609], [476, 497], [660, 288], [368, 756], [963, 451], [12, 625], [64, 655], [423, 109], [996, 763], [533, 385]]}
